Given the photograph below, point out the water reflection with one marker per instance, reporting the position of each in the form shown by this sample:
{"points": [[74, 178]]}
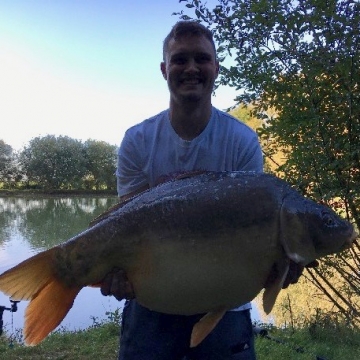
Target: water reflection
{"points": [[30, 225], [47, 222]]}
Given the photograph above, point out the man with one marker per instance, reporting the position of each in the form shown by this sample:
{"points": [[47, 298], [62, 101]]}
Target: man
{"points": [[191, 135]]}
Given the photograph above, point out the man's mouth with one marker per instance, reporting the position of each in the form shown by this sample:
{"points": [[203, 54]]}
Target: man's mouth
{"points": [[191, 81]]}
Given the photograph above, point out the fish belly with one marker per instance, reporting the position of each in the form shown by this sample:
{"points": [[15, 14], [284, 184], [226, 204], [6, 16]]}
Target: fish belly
{"points": [[198, 276]]}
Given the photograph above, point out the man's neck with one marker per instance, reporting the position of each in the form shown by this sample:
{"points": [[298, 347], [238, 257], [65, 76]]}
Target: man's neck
{"points": [[189, 122]]}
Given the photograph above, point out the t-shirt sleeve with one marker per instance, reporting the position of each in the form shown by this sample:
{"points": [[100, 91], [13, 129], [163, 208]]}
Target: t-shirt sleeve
{"points": [[129, 173], [253, 156]]}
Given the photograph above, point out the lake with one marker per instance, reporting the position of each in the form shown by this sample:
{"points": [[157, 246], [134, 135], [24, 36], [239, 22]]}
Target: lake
{"points": [[31, 225]]}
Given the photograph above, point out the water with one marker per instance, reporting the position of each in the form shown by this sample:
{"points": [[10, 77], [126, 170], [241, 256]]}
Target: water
{"points": [[31, 225]]}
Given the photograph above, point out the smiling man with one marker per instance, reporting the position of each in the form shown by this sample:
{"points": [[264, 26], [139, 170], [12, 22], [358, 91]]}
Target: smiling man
{"points": [[190, 136], [190, 68]]}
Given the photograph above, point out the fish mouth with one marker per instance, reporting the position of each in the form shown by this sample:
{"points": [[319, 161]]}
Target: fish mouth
{"points": [[350, 241]]}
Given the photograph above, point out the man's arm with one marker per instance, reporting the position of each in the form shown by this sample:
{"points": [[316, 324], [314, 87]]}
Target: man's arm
{"points": [[116, 282]]}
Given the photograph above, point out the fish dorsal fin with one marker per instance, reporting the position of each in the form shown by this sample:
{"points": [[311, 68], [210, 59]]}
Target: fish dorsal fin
{"points": [[164, 179], [179, 175], [275, 284], [205, 325], [109, 212]]}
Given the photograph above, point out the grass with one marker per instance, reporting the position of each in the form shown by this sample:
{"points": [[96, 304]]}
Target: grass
{"points": [[100, 342], [97, 342], [309, 344]]}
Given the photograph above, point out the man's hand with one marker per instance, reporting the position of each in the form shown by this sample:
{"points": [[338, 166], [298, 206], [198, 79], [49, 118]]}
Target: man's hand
{"points": [[117, 284], [295, 271]]}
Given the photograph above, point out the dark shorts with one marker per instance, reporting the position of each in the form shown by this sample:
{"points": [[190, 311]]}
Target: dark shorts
{"points": [[149, 335]]}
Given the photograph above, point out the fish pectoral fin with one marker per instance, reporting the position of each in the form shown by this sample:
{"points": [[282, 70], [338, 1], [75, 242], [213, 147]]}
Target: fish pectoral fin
{"points": [[205, 325], [275, 283], [47, 309]]}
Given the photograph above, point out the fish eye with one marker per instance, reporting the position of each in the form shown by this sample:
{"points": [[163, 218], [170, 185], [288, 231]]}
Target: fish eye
{"points": [[328, 219]]}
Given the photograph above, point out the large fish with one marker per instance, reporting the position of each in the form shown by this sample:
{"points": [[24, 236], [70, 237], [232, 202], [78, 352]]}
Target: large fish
{"points": [[199, 244]]}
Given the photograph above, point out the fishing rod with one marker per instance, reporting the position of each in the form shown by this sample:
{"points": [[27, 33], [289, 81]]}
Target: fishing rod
{"points": [[13, 308], [258, 331]]}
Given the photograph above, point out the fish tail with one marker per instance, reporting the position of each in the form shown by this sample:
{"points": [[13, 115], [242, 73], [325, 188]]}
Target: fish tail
{"points": [[50, 298], [47, 309]]}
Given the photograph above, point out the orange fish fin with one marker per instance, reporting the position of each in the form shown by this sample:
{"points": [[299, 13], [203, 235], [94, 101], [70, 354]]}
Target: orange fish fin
{"points": [[273, 287], [47, 309], [50, 299], [205, 325], [25, 280]]}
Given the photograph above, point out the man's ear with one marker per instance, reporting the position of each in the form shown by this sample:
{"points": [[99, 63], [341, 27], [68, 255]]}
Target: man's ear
{"points": [[163, 70], [217, 68]]}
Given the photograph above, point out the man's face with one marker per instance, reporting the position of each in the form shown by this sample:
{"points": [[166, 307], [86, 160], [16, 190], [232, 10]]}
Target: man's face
{"points": [[190, 68]]}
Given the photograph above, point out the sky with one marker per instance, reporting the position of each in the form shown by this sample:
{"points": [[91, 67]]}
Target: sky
{"points": [[87, 69]]}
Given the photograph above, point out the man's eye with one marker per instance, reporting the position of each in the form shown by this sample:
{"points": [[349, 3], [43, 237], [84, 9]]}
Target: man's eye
{"points": [[179, 61], [203, 59]]}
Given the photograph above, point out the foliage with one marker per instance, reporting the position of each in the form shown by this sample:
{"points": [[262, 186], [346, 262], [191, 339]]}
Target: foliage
{"points": [[5, 159], [9, 172], [244, 113], [302, 59], [338, 279], [61, 162], [100, 164], [54, 162]]}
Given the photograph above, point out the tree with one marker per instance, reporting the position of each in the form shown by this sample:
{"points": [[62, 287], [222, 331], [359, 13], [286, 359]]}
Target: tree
{"points": [[101, 164], [302, 59], [5, 160], [10, 173], [244, 113], [54, 162]]}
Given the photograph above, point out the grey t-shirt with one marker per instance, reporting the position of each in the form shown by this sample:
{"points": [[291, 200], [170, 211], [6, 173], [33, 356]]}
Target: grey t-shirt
{"points": [[152, 149]]}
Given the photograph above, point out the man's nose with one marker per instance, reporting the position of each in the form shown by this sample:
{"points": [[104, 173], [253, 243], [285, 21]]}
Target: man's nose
{"points": [[191, 66]]}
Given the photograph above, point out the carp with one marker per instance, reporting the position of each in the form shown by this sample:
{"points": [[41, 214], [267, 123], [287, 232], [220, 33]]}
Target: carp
{"points": [[204, 243]]}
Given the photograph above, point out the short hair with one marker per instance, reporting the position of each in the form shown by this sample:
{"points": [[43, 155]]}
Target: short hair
{"points": [[187, 27]]}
